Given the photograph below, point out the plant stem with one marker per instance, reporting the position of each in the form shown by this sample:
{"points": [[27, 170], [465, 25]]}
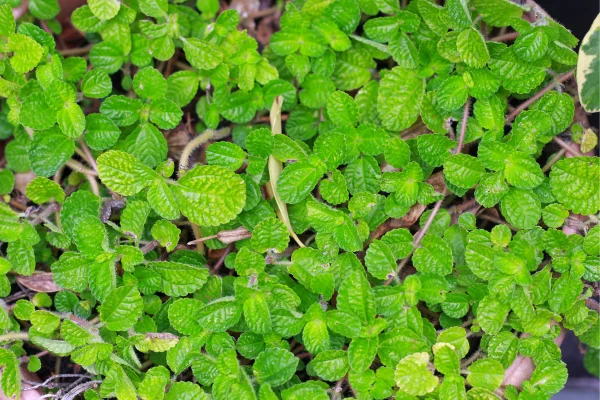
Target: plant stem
{"points": [[506, 37], [88, 156], [13, 336], [538, 95], [497, 221], [199, 240], [76, 51], [553, 160], [189, 149], [149, 247], [568, 148], [418, 237], [78, 167], [463, 127]]}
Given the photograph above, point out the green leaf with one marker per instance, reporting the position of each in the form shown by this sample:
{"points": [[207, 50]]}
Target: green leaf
{"points": [[485, 373], [334, 190], [297, 181], [71, 120], [210, 195], [182, 87], [149, 83], [316, 90], [154, 382], [96, 84], [404, 51], [549, 377], [275, 366], [124, 173], [124, 111], [436, 17], [107, 56], [121, 309], [463, 170], [165, 114], [7, 21], [472, 49], [41, 190], [362, 352], [147, 144], [257, 315], [270, 234], [560, 108], [161, 198], [515, 75], [104, 9], [11, 375], [435, 256], [27, 53], [185, 390], [355, 296], [491, 314], [44, 9], [380, 260], [201, 54], [413, 377], [101, 133], [588, 66], [498, 12], [49, 151], [532, 45], [591, 242], [397, 152], [154, 8], [399, 99], [89, 235], [446, 360], [575, 184], [166, 233], [522, 171], [183, 314], [178, 279], [342, 109], [35, 112], [435, 149], [225, 154], [330, 365]]}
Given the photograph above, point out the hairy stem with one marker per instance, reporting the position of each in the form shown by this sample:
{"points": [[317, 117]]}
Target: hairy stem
{"points": [[14, 336], [463, 127], [190, 147], [538, 95]]}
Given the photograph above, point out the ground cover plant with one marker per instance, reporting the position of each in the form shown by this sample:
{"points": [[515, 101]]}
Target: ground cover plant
{"points": [[323, 199]]}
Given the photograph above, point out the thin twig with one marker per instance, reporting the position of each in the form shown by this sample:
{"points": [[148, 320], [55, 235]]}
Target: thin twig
{"points": [[418, 237], [37, 385], [553, 160], [108, 207], [14, 336], [506, 37], [76, 51], [78, 167], [221, 259], [498, 221], [593, 304], [538, 95], [463, 127], [149, 246], [567, 147], [88, 156], [190, 147], [80, 389], [261, 13]]}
